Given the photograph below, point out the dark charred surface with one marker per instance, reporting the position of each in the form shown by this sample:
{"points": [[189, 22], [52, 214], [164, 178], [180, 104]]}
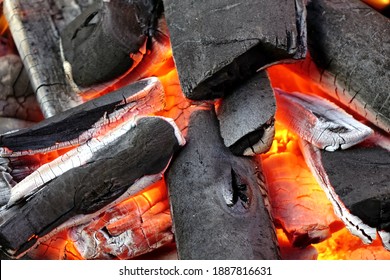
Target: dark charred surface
{"points": [[70, 124], [86, 189], [217, 44], [98, 43], [217, 206], [361, 178], [244, 114], [351, 40]]}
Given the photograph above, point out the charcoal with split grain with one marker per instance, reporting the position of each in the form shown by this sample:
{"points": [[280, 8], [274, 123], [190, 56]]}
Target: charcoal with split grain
{"points": [[217, 206], [361, 178], [216, 44], [101, 43], [349, 42], [69, 127], [36, 38], [246, 116], [115, 171]]}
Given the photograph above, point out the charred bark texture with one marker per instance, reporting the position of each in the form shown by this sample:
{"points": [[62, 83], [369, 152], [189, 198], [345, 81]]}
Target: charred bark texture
{"points": [[216, 202], [216, 44], [361, 178], [99, 44], [90, 187], [246, 117], [350, 41], [36, 38]]}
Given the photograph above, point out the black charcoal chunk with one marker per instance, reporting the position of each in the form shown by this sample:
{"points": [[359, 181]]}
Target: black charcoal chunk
{"points": [[216, 203], [216, 44]]}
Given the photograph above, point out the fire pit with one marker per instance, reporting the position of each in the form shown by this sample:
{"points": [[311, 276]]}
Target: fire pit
{"points": [[138, 130]]}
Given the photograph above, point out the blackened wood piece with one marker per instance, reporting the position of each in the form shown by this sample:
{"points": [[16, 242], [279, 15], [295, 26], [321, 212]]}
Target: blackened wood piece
{"points": [[246, 114], [69, 125], [36, 38], [218, 43], [350, 40], [99, 43], [361, 178], [217, 208], [144, 150]]}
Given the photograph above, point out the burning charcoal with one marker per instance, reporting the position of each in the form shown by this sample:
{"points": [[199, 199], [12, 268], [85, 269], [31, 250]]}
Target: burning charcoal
{"points": [[357, 182], [11, 124], [216, 44], [298, 204], [348, 41], [17, 98], [131, 228], [113, 166], [81, 123], [36, 38], [246, 117], [319, 121], [216, 202], [109, 38]]}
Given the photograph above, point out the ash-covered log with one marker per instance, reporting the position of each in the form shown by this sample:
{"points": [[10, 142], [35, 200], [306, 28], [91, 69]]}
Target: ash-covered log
{"points": [[216, 44], [109, 38], [246, 116], [129, 158], [216, 199], [349, 42], [36, 38]]}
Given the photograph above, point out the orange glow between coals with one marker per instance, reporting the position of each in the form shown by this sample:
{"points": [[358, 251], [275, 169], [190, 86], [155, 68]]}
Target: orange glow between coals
{"points": [[378, 4]]}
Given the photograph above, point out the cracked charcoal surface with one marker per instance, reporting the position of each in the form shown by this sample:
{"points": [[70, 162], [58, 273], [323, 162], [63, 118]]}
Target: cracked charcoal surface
{"points": [[88, 188], [217, 43], [245, 111], [351, 41], [202, 181], [361, 178]]}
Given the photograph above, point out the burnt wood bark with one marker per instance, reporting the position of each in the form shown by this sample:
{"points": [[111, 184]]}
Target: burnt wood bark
{"points": [[361, 178], [216, 44], [144, 150], [99, 44], [246, 116], [349, 42], [36, 38], [216, 202]]}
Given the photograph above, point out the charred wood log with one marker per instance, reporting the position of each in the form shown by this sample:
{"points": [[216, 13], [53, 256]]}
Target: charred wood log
{"points": [[217, 206], [81, 123], [126, 160], [246, 117], [319, 121], [216, 44], [109, 38], [349, 43], [357, 183], [36, 39]]}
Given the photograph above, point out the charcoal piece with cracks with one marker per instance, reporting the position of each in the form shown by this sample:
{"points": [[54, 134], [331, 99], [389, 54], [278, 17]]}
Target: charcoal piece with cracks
{"points": [[217, 44], [356, 182], [81, 122], [361, 178], [35, 35], [128, 159], [217, 206], [104, 40], [349, 42], [246, 116]]}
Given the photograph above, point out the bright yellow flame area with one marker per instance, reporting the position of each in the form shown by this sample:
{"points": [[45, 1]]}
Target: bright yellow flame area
{"points": [[378, 4]]}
